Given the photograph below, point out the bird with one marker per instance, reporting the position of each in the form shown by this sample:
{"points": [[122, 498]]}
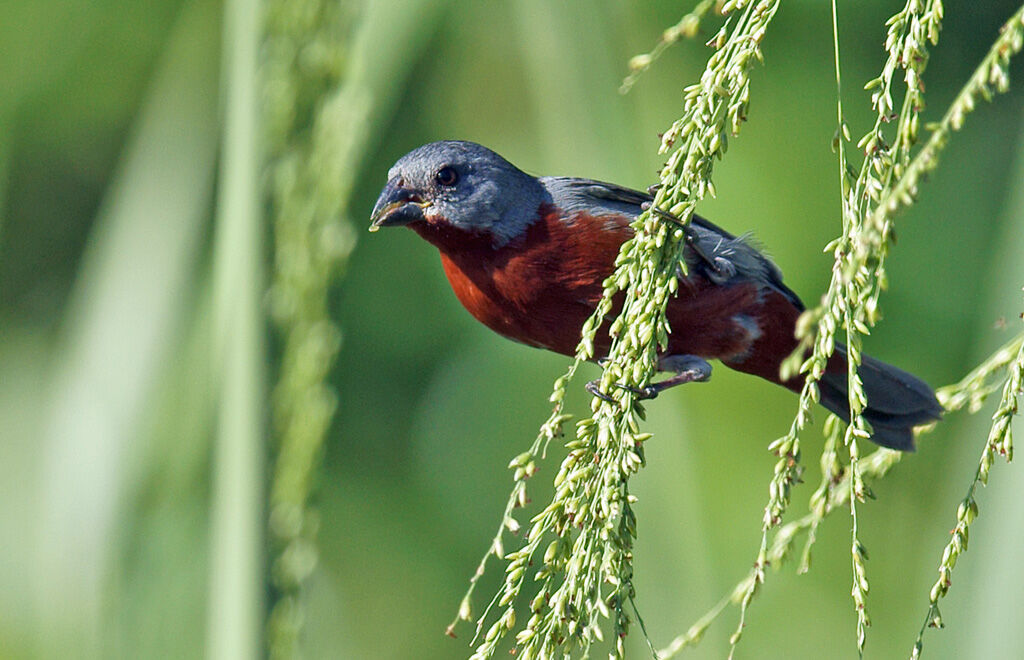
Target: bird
{"points": [[527, 257]]}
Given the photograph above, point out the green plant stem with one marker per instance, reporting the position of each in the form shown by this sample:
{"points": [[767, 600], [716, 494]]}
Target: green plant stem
{"points": [[236, 574], [329, 89], [998, 443], [858, 273], [311, 244], [857, 552], [687, 27], [974, 389], [991, 75], [874, 466]]}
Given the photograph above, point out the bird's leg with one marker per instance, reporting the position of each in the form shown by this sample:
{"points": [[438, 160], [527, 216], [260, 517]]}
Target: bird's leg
{"points": [[688, 368]]}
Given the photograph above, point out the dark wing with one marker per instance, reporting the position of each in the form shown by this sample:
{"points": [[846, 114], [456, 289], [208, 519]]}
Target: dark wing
{"points": [[621, 205], [593, 197]]}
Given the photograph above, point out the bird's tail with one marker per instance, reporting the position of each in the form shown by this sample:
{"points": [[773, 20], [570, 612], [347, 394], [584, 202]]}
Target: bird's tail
{"points": [[897, 400]]}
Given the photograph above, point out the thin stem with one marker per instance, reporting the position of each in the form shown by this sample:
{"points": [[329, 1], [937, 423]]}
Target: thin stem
{"points": [[236, 574], [999, 443], [687, 27]]}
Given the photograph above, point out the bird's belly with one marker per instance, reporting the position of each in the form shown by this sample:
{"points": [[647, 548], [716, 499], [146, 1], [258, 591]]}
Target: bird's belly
{"points": [[543, 317], [539, 308]]}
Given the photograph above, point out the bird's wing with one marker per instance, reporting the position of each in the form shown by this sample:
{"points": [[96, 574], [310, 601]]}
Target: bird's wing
{"points": [[573, 196], [621, 205]]}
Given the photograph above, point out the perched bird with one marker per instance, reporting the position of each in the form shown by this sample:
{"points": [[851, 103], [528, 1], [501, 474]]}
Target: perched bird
{"points": [[527, 257]]}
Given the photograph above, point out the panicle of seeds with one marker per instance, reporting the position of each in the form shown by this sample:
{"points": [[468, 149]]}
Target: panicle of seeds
{"points": [[579, 547]]}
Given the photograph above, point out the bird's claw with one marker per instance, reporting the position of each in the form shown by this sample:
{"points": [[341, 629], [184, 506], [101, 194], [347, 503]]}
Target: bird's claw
{"points": [[644, 393], [641, 393], [594, 387]]}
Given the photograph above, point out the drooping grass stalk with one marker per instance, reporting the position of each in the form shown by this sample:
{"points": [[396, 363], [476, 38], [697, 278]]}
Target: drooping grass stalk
{"points": [[858, 275], [973, 390], [999, 442], [858, 553], [687, 28], [585, 569], [834, 491], [236, 571], [991, 77], [887, 182]]}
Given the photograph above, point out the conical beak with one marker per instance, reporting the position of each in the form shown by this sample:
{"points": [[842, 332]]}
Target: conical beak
{"points": [[396, 206]]}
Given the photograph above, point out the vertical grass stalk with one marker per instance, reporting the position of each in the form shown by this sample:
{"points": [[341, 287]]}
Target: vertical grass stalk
{"points": [[328, 87], [236, 570], [304, 59]]}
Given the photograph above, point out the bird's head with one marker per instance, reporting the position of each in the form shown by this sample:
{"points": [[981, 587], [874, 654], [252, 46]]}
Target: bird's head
{"points": [[459, 185]]}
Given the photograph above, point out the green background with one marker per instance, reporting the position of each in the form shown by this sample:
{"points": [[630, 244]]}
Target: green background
{"points": [[108, 143]]}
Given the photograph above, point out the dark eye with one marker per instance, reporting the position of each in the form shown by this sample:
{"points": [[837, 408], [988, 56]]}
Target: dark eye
{"points": [[446, 176]]}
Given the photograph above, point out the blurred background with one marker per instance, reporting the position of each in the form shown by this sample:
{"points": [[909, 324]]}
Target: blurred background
{"points": [[109, 139]]}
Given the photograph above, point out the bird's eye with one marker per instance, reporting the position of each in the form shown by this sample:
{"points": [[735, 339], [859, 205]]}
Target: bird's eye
{"points": [[446, 176]]}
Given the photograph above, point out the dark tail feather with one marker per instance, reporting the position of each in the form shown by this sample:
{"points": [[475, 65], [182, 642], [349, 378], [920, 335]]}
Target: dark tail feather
{"points": [[897, 401]]}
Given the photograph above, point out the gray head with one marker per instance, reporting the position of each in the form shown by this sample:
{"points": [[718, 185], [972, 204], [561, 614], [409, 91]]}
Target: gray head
{"points": [[461, 184]]}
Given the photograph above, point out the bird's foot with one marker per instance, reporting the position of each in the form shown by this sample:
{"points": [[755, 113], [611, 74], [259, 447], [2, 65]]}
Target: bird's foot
{"points": [[688, 368], [594, 387]]}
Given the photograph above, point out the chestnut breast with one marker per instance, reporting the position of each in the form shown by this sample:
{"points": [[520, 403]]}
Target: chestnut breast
{"points": [[539, 289]]}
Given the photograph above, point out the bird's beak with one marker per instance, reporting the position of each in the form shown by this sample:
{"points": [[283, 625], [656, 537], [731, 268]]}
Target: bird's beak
{"points": [[396, 206]]}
